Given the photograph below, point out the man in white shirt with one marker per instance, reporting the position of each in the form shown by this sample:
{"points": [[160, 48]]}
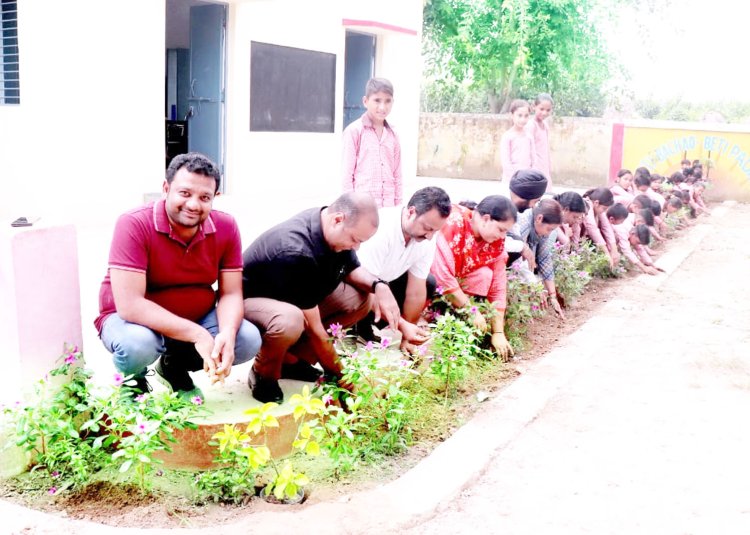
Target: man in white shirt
{"points": [[400, 254]]}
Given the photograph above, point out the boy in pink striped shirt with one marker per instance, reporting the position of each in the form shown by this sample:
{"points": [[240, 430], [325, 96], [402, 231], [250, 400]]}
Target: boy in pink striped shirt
{"points": [[372, 152]]}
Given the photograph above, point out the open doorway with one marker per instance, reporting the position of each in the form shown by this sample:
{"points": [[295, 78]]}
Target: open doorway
{"points": [[359, 66], [195, 73]]}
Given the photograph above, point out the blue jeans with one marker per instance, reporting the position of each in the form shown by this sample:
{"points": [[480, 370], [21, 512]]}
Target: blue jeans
{"points": [[134, 347]]}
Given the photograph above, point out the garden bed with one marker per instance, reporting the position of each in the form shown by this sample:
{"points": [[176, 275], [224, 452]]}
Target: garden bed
{"points": [[172, 500]]}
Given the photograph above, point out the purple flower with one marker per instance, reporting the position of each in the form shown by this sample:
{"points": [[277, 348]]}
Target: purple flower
{"points": [[196, 400], [422, 350], [534, 308], [70, 359], [118, 379], [327, 399], [52, 490], [439, 290], [405, 363], [55, 474], [336, 330], [453, 358], [369, 346], [473, 310], [384, 342], [140, 398], [140, 429]]}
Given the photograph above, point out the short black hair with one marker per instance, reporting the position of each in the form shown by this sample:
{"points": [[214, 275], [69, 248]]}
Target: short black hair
{"points": [[431, 197], [194, 162]]}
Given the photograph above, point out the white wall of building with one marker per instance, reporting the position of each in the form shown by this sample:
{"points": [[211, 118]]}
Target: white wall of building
{"points": [[87, 138], [296, 170]]}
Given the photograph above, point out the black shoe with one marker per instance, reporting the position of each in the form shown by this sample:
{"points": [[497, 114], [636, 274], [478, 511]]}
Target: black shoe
{"points": [[176, 378], [300, 371], [264, 389], [141, 385]]}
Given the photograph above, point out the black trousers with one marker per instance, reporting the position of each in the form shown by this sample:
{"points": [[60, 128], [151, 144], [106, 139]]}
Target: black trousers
{"points": [[398, 288]]}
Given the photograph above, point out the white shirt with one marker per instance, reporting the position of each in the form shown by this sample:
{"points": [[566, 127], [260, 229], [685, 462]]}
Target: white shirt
{"points": [[387, 256]]}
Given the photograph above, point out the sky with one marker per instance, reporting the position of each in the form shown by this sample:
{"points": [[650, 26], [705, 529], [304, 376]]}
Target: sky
{"points": [[696, 50]]}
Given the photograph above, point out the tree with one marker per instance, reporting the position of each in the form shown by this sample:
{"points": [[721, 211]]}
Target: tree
{"points": [[512, 47]]}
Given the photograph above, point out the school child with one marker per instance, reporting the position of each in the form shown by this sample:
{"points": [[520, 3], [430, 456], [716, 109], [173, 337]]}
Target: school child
{"points": [[573, 212], [659, 185], [596, 226], [372, 151], [622, 188], [622, 222], [538, 130], [642, 185], [661, 225], [516, 146], [685, 164], [699, 187], [675, 212]]}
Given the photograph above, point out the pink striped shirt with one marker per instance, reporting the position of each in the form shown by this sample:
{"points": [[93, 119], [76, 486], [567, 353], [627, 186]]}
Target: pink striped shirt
{"points": [[372, 164], [538, 131], [516, 152]]}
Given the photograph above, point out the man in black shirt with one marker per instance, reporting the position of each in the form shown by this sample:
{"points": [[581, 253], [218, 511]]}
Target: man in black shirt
{"points": [[303, 275]]}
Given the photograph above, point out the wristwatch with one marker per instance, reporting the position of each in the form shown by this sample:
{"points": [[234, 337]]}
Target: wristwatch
{"points": [[376, 282]]}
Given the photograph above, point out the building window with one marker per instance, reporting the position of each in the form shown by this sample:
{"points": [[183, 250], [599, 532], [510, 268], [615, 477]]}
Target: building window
{"points": [[10, 91], [291, 89]]}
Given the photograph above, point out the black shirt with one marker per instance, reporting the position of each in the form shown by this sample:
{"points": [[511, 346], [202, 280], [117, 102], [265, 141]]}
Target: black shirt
{"points": [[292, 262]]}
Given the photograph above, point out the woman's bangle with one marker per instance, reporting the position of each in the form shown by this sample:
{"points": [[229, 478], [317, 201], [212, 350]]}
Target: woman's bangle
{"points": [[498, 332]]}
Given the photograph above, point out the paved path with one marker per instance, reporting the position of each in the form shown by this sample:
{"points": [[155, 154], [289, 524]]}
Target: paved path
{"points": [[649, 434]]}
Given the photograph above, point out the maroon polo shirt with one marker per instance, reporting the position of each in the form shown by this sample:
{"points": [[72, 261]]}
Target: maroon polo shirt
{"points": [[179, 275]]}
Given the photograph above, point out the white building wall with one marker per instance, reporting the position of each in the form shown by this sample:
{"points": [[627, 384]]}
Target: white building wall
{"points": [[87, 138], [296, 170]]}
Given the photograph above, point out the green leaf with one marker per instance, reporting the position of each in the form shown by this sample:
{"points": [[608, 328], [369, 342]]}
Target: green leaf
{"points": [[126, 466]]}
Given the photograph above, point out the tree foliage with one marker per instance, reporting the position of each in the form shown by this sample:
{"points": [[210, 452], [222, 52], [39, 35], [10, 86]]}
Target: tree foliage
{"points": [[511, 48]]}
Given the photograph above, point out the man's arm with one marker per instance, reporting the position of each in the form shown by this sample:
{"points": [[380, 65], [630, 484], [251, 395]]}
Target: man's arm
{"points": [[229, 312], [321, 342], [129, 292], [387, 307]]}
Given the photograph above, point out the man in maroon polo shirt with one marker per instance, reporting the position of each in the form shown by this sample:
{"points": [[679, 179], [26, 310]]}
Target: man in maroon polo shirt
{"points": [[157, 299]]}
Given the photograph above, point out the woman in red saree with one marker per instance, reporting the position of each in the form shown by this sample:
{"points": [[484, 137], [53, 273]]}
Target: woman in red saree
{"points": [[470, 260]]}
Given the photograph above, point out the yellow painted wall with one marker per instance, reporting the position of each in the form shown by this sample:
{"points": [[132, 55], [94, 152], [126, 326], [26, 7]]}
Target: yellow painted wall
{"points": [[724, 152]]}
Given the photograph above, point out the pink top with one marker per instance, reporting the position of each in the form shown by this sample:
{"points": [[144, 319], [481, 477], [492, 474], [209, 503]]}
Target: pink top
{"points": [[622, 232], [516, 152], [372, 164], [655, 196], [538, 131], [179, 275], [477, 267], [591, 228], [622, 196]]}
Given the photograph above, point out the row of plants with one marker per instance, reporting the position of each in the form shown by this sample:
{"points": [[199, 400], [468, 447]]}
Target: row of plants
{"points": [[384, 403]]}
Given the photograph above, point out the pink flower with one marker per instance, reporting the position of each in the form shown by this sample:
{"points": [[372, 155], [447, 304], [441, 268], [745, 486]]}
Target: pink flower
{"points": [[196, 400], [140, 429], [384, 342], [336, 330], [439, 290], [405, 363], [118, 379], [534, 308], [369, 346], [327, 399], [70, 359], [52, 490], [422, 350], [473, 310], [454, 358], [55, 474], [140, 398]]}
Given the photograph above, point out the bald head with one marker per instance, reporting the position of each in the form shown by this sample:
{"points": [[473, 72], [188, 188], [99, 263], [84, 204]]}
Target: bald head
{"points": [[354, 206], [350, 220]]}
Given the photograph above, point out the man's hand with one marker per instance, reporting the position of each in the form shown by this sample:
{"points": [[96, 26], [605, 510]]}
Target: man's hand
{"points": [[413, 333], [223, 357], [386, 307], [651, 270], [502, 346]]}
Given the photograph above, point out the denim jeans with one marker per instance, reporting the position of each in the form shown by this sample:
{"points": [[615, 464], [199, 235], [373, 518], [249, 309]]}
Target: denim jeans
{"points": [[134, 347]]}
